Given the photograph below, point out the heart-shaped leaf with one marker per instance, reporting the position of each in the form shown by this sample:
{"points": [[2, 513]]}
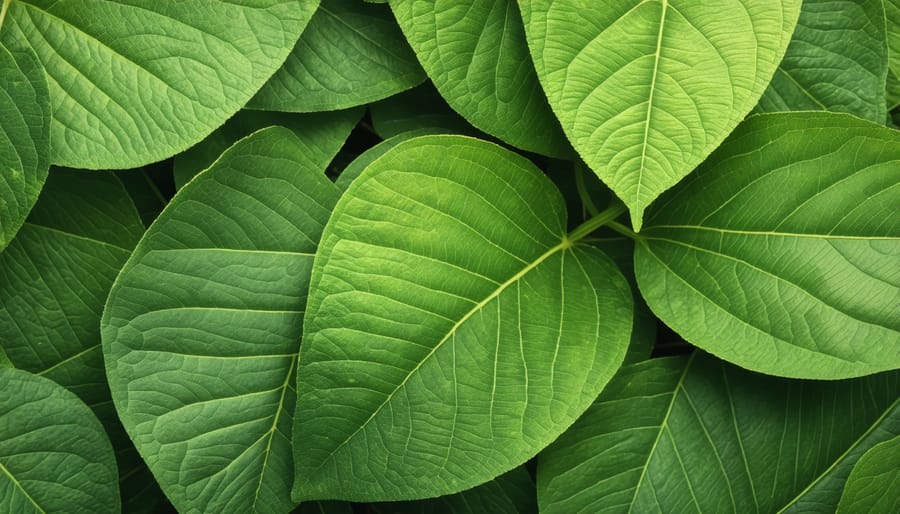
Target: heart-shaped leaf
{"points": [[475, 53], [454, 329], [138, 81], [698, 435], [780, 253], [646, 90], [202, 327], [24, 137], [54, 454]]}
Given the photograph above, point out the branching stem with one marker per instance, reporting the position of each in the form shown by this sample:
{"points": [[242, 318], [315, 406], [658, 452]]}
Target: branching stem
{"points": [[616, 209]]}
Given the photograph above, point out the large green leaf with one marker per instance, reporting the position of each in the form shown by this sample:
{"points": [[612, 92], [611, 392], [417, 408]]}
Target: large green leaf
{"points": [[54, 455], [136, 81], [24, 137], [874, 483], [780, 253], [202, 327], [698, 435], [350, 54], [837, 61], [475, 53], [646, 90], [453, 329]]}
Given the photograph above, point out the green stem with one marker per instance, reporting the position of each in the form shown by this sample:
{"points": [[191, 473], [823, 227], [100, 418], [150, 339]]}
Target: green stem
{"points": [[583, 193], [622, 229], [3, 11], [607, 216]]}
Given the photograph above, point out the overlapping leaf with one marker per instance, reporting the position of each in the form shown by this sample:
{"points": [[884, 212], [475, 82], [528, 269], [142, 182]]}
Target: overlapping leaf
{"points": [[136, 81], [350, 54], [202, 327], [54, 454], [780, 254], [646, 90], [698, 435], [874, 483], [837, 61], [453, 328], [24, 137], [475, 53]]}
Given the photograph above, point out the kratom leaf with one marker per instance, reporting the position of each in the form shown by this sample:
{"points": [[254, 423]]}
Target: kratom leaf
{"points": [[645, 91], [511, 493], [874, 483], [453, 329], [202, 326], [698, 435], [780, 253], [350, 54], [475, 53], [24, 137], [54, 455], [837, 61], [322, 133], [133, 82]]}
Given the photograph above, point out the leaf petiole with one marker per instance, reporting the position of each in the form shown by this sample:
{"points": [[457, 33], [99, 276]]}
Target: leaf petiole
{"points": [[603, 218], [3, 11]]}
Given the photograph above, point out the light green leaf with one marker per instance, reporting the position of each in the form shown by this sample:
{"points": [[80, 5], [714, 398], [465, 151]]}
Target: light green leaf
{"points": [[350, 54], [646, 90], [780, 253], [698, 435], [24, 137], [475, 53], [511, 493], [450, 317], [137, 81], [202, 327], [420, 108], [837, 61], [54, 455], [322, 133], [874, 483]]}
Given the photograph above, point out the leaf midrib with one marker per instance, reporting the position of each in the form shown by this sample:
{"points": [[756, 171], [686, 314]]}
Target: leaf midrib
{"points": [[645, 141], [565, 244], [19, 487]]}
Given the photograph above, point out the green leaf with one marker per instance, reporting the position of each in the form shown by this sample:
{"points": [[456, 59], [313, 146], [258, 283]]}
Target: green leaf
{"points": [[54, 455], [138, 81], [202, 327], [453, 328], [697, 435], [24, 137], [510, 493], [645, 91], [874, 483], [837, 61], [420, 108], [780, 253], [892, 15], [358, 165], [475, 53], [322, 133], [350, 54]]}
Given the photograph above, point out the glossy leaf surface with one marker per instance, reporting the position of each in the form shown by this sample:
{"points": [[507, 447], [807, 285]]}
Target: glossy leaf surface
{"points": [[837, 61], [780, 253], [202, 327], [698, 435], [646, 90], [453, 328], [54, 454], [136, 81], [24, 137], [475, 53], [350, 54]]}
